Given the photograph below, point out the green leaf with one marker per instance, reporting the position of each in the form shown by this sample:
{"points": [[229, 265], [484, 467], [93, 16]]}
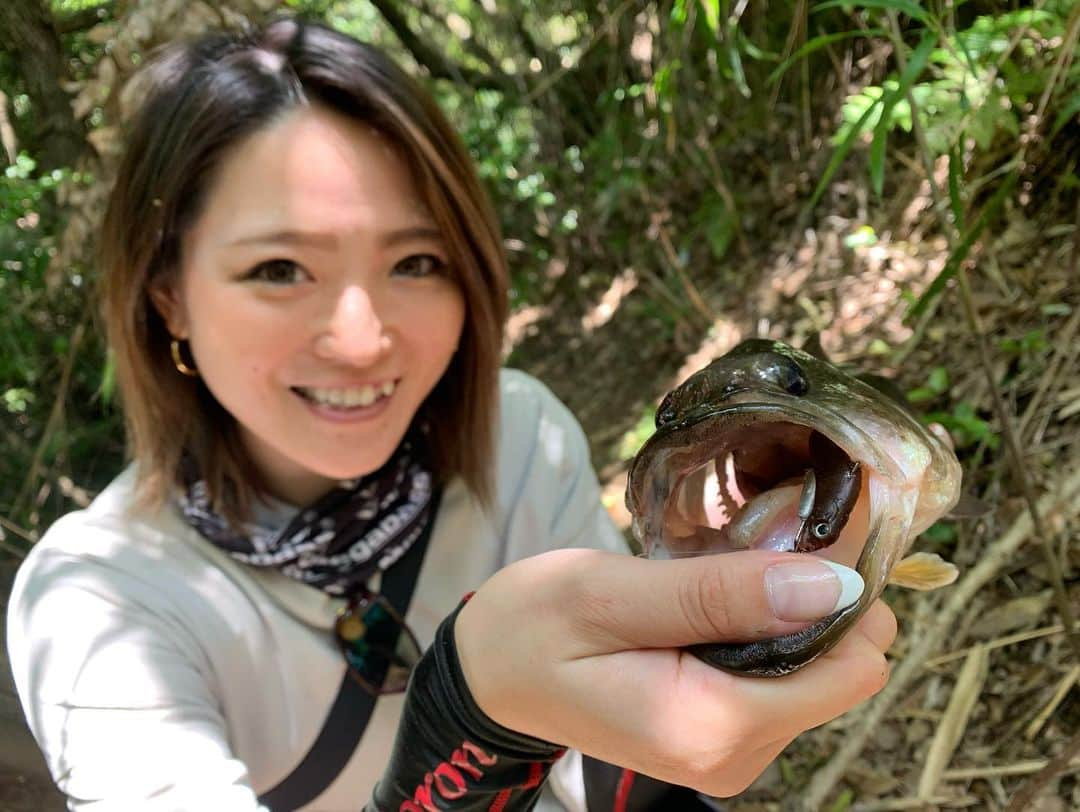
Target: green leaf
{"points": [[961, 251], [840, 153], [712, 14], [1071, 108], [634, 439], [735, 60], [911, 9], [107, 387], [914, 67], [843, 802], [938, 380], [940, 533], [920, 395], [816, 44], [861, 237]]}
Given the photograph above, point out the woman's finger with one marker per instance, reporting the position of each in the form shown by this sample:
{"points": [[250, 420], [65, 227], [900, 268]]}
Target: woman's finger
{"points": [[878, 625], [616, 602], [847, 675]]}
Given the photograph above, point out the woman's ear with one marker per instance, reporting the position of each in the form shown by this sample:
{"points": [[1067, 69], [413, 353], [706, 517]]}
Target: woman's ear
{"points": [[167, 302]]}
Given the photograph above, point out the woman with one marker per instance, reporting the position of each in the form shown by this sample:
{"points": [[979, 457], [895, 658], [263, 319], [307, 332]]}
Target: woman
{"points": [[304, 291]]}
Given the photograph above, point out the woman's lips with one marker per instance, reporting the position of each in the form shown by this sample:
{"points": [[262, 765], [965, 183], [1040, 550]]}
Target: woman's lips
{"points": [[340, 413]]}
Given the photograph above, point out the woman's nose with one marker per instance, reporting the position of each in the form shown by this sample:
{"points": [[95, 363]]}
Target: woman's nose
{"points": [[355, 333]]}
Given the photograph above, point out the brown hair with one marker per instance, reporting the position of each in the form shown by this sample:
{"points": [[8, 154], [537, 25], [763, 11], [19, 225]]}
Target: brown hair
{"points": [[206, 96]]}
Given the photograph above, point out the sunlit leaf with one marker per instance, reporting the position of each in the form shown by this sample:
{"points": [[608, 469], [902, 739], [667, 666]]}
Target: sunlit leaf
{"points": [[711, 8], [914, 67], [861, 237]]}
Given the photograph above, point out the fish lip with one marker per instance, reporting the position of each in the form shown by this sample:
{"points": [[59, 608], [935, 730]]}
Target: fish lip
{"points": [[779, 656], [852, 439], [784, 654]]}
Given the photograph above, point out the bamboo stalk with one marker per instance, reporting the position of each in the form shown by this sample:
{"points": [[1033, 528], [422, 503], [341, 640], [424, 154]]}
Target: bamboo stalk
{"points": [[1008, 640], [953, 724], [1065, 497], [1060, 693]]}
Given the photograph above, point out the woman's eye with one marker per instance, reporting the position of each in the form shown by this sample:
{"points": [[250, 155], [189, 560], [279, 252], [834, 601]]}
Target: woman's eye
{"points": [[277, 272], [420, 265]]}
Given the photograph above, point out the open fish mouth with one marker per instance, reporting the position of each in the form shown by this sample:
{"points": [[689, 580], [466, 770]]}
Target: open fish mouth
{"points": [[754, 475], [784, 486], [769, 447], [772, 475]]}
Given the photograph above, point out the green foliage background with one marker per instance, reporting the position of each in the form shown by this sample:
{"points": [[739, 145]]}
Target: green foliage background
{"points": [[586, 120]]}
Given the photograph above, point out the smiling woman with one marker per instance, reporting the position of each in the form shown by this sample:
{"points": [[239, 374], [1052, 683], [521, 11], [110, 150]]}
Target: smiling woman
{"points": [[316, 295], [304, 291], [267, 166]]}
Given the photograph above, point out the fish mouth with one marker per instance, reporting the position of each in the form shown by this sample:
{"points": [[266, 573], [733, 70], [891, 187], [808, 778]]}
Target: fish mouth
{"points": [[775, 475]]}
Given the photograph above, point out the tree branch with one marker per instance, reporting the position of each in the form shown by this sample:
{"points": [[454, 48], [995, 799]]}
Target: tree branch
{"points": [[436, 63], [26, 29], [83, 18]]}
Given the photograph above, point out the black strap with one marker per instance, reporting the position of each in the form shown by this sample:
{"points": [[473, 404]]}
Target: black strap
{"points": [[352, 709]]}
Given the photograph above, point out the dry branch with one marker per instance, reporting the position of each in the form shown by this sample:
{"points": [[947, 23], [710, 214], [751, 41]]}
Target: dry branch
{"points": [[1059, 764], [949, 732], [1065, 498], [1060, 693]]}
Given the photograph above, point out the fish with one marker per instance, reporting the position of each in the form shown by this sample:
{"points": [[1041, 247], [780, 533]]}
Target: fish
{"points": [[772, 447]]}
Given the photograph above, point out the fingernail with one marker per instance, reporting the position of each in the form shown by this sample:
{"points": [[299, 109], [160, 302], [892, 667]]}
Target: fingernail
{"points": [[811, 589]]}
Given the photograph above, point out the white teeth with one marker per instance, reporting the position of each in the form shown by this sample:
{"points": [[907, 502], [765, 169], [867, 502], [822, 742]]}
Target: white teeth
{"points": [[352, 397]]}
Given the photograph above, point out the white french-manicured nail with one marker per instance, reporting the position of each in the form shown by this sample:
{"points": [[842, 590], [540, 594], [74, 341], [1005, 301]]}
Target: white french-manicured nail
{"points": [[811, 588], [851, 584]]}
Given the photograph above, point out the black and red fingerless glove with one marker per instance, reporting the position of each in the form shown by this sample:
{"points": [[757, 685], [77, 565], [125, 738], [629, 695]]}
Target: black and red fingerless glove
{"points": [[449, 755]]}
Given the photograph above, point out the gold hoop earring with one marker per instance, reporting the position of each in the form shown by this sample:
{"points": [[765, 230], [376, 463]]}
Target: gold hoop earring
{"points": [[178, 362]]}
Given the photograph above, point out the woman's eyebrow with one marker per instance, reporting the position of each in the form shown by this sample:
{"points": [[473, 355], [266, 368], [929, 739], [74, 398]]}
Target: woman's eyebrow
{"points": [[328, 240]]}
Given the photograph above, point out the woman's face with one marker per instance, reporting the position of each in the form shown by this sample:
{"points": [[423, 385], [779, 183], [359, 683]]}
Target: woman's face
{"points": [[315, 293]]}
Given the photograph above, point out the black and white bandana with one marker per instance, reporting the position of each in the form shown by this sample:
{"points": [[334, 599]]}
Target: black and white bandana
{"points": [[342, 538]]}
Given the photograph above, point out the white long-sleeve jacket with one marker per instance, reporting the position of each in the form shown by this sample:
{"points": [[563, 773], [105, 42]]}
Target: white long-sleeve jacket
{"points": [[157, 673]]}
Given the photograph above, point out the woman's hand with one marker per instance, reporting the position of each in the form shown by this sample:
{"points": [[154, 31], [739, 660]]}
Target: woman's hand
{"points": [[583, 648]]}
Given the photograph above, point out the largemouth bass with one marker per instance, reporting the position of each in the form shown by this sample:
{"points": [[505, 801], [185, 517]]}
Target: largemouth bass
{"points": [[769, 447]]}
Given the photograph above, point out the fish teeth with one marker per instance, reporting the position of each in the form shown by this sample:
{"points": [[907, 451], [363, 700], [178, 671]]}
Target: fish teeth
{"points": [[349, 397]]}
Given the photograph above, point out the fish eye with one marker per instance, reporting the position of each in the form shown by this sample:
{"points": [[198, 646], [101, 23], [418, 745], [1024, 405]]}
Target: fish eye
{"points": [[666, 413], [820, 530], [785, 374]]}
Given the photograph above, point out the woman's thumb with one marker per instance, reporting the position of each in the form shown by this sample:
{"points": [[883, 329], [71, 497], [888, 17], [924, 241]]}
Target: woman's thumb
{"points": [[623, 602]]}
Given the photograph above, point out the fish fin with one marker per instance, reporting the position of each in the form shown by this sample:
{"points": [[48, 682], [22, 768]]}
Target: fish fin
{"points": [[923, 571], [969, 507]]}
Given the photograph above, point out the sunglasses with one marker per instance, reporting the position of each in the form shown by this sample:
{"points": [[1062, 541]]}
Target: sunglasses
{"points": [[380, 650]]}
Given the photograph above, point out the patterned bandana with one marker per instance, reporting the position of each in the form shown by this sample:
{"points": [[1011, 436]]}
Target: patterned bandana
{"points": [[342, 538]]}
